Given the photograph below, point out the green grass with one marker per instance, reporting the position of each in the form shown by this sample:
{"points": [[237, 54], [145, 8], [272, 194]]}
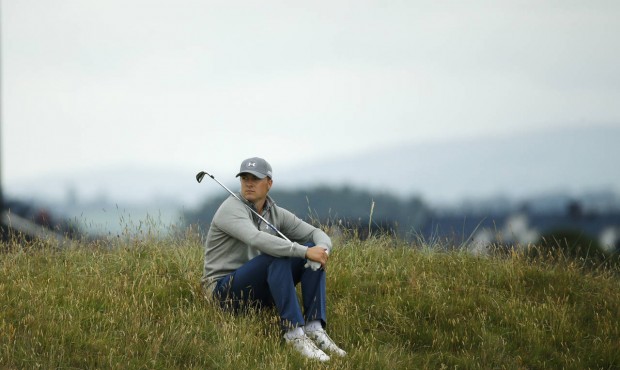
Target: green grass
{"points": [[139, 305]]}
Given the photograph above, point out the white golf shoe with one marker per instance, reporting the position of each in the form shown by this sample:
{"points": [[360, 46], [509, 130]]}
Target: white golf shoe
{"points": [[307, 348], [324, 342]]}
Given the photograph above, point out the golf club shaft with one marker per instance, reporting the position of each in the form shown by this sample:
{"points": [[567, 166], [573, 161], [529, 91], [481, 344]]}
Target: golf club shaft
{"points": [[201, 174]]}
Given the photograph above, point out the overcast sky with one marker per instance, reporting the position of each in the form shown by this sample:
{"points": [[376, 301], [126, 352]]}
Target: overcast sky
{"points": [[204, 84]]}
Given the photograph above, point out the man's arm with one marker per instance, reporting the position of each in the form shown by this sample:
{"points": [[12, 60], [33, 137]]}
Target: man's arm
{"points": [[235, 219], [296, 229]]}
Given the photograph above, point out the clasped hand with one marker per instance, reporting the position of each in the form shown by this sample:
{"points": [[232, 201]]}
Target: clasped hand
{"points": [[317, 257]]}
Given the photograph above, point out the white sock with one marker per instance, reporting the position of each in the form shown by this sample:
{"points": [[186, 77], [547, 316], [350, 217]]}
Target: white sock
{"points": [[294, 333], [314, 325]]}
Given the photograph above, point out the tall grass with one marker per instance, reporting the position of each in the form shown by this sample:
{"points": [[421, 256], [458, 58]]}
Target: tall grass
{"points": [[391, 306]]}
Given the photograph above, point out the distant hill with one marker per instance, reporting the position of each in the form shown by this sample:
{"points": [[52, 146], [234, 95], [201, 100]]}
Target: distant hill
{"points": [[127, 184], [545, 161], [564, 160]]}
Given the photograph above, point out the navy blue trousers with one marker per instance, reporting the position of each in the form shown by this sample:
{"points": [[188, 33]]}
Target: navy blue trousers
{"points": [[267, 281]]}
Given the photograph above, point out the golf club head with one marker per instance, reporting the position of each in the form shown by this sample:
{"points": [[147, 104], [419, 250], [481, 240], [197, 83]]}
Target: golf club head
{"points": [[200, 175]]}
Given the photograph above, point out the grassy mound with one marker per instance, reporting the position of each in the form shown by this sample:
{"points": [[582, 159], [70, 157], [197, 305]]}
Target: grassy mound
{"points": [[139, 305]]}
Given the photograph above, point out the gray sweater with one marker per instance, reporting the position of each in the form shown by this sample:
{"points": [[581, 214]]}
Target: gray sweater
{"points": [[236, 236]]}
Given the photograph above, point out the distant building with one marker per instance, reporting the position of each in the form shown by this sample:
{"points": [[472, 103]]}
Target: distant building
{"points": [[610, 239], [476, 232]]}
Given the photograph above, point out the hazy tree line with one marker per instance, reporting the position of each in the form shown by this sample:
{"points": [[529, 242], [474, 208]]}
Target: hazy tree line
{"points": [[345, 208]]}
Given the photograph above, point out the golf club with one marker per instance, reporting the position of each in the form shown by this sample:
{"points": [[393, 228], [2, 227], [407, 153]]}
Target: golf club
{"points": [[200, 175]]}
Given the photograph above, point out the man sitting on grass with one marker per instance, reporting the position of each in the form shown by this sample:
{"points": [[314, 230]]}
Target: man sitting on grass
{"points": [[247, 265]]}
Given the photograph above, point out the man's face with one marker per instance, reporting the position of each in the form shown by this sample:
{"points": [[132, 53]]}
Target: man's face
{"points": [[254, 189]]}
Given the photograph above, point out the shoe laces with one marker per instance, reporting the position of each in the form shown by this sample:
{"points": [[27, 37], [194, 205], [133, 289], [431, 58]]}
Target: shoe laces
{"points": [[308, 348], [324, 341]]}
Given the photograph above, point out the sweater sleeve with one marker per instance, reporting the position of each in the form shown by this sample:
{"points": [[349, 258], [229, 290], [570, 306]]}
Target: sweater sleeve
{"points": [[301, 231], [236, 220]]}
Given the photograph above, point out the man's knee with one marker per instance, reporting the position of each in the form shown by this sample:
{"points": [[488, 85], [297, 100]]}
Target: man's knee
{"points": [[263, 259], [285, 269], [287, 263]]}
